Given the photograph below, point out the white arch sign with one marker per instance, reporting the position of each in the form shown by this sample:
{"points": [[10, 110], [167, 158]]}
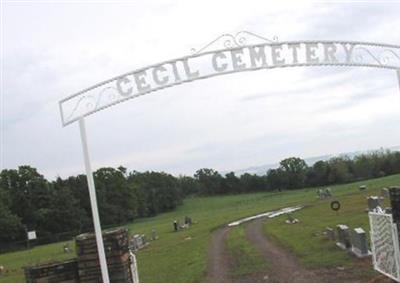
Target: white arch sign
{"points": [[235, 57]]}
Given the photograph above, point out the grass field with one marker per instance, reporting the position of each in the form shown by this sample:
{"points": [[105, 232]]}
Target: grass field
{"points": [[182, 256], [306, 240]]}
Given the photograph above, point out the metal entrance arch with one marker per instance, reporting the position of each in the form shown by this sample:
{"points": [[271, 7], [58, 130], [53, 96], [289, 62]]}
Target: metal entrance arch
{"points": [[227, 54]]}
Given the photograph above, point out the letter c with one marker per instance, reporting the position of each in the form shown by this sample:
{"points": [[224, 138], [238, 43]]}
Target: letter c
{"points": [[222, 67], [156, 72], [120, 81]]}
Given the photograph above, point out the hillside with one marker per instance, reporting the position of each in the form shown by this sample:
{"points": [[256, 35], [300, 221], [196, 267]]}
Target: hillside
{"points": [[182, 256]]}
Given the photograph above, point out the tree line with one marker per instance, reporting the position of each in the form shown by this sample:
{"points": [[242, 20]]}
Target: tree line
{"points": [[30, 202]]}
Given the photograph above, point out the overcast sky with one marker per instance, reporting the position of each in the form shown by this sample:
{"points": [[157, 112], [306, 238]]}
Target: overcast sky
{"points": [[51, 50]]}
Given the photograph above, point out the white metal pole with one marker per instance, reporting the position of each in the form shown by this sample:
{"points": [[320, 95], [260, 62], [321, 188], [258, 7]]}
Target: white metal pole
{"points": [[93, 203], [398, 76]]}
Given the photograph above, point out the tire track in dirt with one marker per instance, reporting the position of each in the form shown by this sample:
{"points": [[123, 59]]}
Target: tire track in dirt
{"points": [[283, 266], [218, 258]]}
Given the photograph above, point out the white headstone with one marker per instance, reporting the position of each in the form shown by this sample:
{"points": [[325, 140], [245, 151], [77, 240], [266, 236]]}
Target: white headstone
{"points": [[359, 244]]}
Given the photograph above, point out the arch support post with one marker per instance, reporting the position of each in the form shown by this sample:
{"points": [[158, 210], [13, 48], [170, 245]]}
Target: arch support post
{"points": [[398, 77], [93, 203]]}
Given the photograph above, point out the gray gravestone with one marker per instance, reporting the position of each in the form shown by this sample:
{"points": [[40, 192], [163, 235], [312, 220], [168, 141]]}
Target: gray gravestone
{"points": [[385, 193], [374, 202], [154, 235], [359, 243], [330, 234], [328, 192], [343, 237], [138, 242]]}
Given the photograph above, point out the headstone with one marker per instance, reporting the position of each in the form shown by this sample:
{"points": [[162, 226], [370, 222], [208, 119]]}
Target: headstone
{"points": [[385, 193], [291, 219], [359, 244], [324, 193], [328, 192], [343, 238], [374, 202], [154, 235], [188, 221], [138, 242], [330, 234]]}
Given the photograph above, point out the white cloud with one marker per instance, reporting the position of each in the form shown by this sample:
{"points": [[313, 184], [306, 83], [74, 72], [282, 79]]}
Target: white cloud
{"points": [[229, 122]]}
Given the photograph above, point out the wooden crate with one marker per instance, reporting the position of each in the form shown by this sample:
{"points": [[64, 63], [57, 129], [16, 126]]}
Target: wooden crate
{"points": [[117, 254], [63, 272]]}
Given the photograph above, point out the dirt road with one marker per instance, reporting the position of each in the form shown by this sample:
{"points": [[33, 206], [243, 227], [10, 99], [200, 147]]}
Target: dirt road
{"points": [[283, 267]]}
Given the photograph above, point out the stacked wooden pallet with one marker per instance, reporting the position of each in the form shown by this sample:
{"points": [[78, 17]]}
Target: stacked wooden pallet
{"points": [[64, 272], [117, 254]]}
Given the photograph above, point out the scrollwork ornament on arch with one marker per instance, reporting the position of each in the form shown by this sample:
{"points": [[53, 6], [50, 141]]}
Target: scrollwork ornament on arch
{"points": [[92, 102], [382, 57], [228, 40]]}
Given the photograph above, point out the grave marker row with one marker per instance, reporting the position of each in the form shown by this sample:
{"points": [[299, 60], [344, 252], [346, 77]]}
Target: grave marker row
{"points": [[354, 240], [324, 193]]}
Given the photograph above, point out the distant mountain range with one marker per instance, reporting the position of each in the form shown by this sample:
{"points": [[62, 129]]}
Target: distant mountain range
{"points": [[262, 169]]}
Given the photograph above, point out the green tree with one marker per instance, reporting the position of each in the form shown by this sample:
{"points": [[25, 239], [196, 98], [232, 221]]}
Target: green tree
{"points": [[231, 184], [65, 212], [117, 202], [156, 192], [295, 170], [339, 170], [188, 186], [276, 179], [318, 174], [29, 194], [11, 227], [252, 183], [209, 180]]}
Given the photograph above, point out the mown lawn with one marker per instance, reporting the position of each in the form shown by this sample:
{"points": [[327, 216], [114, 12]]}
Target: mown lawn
{"points": [[306, 240], [182, 256]]}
